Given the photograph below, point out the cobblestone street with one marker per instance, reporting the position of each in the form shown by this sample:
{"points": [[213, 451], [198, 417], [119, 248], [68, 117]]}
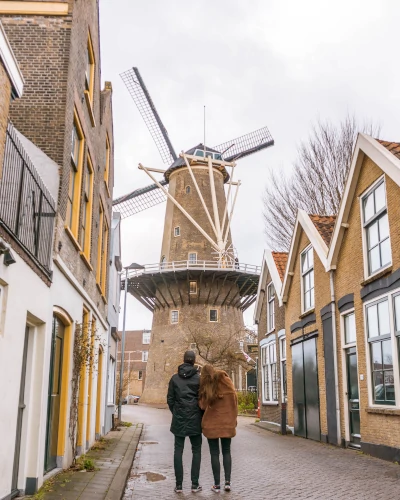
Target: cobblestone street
{"points": [[265, 465]]}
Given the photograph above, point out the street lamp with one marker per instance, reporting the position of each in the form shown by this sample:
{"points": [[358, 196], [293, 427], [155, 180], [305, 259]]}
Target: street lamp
{"points": [[121, 371]]}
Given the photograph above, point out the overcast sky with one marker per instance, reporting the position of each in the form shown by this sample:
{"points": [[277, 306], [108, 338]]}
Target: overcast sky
{"points": [[278, 63]]}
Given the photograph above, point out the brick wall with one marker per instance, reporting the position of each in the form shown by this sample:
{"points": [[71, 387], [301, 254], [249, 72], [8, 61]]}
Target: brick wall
{"points": [[5, 97], [53, 65], [133, 360]]}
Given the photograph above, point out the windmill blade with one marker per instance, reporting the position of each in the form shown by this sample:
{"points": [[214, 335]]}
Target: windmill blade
{"points": [[246, 144], [139, 200], [139, 93]]}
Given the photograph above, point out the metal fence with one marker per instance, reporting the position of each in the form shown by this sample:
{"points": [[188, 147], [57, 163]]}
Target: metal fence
{"points": [[27, 210]]}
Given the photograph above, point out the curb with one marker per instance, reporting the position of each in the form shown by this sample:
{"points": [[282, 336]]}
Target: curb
{"points": [[117, 487]]}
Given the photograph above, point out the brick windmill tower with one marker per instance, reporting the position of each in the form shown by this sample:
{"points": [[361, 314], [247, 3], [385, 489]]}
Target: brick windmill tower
{"points": [[198, 284]]}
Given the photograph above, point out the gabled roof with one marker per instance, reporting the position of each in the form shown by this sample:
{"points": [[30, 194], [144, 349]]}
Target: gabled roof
{"points": [[274, 263], [317, 229], [384, 154]]}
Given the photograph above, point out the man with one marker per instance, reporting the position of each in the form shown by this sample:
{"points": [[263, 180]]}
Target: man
{"points": [[183, 395]]}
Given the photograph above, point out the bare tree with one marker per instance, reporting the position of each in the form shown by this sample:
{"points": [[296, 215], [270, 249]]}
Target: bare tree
{"points": [[317, 181]]}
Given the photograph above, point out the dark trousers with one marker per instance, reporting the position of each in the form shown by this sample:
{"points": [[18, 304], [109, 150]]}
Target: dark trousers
{"points": [[196, 458], [226, 458]]}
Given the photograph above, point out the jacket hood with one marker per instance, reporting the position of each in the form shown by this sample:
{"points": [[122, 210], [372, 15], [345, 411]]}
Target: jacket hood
{"points": [[186, 370]]}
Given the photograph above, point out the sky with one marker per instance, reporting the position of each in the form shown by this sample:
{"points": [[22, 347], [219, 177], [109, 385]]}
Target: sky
{"points": [[280, 63]]}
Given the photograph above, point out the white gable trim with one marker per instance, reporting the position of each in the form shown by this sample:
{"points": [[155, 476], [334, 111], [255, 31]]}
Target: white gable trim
{"points": [[268, 264], [385, 160], [10, 63], [303, 222]]}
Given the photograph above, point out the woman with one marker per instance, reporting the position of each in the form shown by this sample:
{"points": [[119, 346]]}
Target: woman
{"points": [[217, 396]]}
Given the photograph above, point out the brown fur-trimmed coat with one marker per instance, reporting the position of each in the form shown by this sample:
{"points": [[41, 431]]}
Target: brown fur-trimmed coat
{"points": [[220, 418]]}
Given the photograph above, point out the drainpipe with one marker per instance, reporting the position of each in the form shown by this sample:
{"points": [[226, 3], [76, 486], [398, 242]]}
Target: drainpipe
{"points": [[333, 305]]}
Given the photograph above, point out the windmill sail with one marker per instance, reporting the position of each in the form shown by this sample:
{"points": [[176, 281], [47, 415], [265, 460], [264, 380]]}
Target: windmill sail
{"points": [[246, 144], [139, 200], [145, 105]]}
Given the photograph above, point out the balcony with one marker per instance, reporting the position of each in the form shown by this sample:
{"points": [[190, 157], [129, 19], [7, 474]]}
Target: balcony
{"points": [[27, 209]]}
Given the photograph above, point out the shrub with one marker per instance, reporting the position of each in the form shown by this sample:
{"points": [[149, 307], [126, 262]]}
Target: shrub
{"points": [[247, 401]]}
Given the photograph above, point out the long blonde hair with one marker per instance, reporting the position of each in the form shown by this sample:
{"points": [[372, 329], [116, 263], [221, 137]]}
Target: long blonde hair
{"points": [[208, 392]]}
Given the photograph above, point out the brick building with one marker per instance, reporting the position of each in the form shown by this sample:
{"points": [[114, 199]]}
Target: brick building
{"points": [[66, 114], [137, 344], [269, 315]]}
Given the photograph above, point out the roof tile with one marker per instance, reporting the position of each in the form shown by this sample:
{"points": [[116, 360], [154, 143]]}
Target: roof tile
{"points": [[393, 147], [280, 259], [324, 225]]}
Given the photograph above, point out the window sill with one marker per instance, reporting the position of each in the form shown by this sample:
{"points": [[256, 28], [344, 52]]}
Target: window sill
{"points": [[86, 261], [270, 331], [101, 292], [377, 275], [270, 403], [383, 411], [107, 189], [110, 405], [73, 239], [90, 109], [306, 313]]}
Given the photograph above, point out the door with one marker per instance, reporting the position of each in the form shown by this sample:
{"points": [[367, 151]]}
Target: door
{"points": [[353, 397], [306, 390], [20, 414], [53, 406]]}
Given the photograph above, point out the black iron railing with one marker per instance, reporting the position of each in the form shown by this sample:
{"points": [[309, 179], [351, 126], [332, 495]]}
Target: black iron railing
{"points": [[27, 209]]}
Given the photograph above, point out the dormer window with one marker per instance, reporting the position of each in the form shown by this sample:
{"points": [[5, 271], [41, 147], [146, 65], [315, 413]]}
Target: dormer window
{"points": [[307, 277], [376, 229], [209, 154]]}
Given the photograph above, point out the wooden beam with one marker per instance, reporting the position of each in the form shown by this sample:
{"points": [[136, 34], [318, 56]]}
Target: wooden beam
{"points": [[209, 293], [139, 298], [231, 288], [169, 291], [159, 290], [179, 288], [219, 289], [238, 292]]}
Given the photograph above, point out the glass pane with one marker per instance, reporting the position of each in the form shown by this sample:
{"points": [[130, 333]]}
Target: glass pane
{"points": [[383, 227], [374, 260], [387, 355], [304, 264], [373, 237], [397, 312], [383, 313], [350, 328], [379, 388], [310, 258], [368, 207], [389, 386], [353, 377], [312, 279], [386, 256], [307, 303], [376, 354], [312, 297], [380, 201]]}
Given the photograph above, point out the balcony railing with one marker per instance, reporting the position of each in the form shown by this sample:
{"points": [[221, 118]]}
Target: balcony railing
{"points": [[27, 210], [201, 265]]}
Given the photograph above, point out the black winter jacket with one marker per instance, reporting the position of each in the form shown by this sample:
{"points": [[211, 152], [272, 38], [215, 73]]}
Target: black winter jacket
{"points": [[182, 399]]}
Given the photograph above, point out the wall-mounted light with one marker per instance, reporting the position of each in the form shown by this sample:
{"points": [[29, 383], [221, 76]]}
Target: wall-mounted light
{"points": [[8, 258]]}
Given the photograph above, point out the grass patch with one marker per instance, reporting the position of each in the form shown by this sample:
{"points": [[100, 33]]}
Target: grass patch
{"points": [[125, 424], [84, 463]]}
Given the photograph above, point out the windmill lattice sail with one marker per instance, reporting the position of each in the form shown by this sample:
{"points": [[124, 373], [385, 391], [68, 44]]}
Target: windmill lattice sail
{"points": [[139, 200], [147, 109], [246, 144]]}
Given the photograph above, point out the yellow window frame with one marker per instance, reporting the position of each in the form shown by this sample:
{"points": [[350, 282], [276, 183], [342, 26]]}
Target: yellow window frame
{"points": [[104, 257], [82, 402], [74, 226], [107, 169], [100, 244], [86, 244], [92, 65]]}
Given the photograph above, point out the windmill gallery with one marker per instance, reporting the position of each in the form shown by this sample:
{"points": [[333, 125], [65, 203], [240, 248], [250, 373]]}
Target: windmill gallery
{"points": [[199, 282]]}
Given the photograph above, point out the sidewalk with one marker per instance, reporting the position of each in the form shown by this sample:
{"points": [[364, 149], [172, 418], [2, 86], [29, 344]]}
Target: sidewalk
{"points": [[113, 460]]}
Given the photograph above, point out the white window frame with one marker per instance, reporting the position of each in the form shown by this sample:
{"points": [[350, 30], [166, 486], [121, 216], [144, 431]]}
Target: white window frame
{"points": [[145, 356], [395, 351], [177, 316], [177, 231], [366, 224], [190, 291], [302, 276], [271, 304], [209, 315], [146, 337], [111, 381], [190, 261], [267, 368], [282, 359]]}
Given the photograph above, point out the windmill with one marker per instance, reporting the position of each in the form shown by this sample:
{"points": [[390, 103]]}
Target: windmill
{"points": [[198, 281]]}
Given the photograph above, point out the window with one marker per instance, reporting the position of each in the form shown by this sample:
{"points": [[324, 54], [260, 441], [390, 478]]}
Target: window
{"points": [[349, 321], [192, 257], [187, 189], [177, 231], [107, 167], [271, 306], [213, 315], [89, 71], [174, 317], [376, 227], [397, 321], [86, 209], [380, 347], [193, 287], [269, 373], [145, 356], [146, 337], [111, 381], [307, 273], [102, 250], [75, 177], [140, 375], [282, 345]]}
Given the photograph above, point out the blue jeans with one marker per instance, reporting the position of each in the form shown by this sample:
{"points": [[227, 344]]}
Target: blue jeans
{"points": [[196, 458]]}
